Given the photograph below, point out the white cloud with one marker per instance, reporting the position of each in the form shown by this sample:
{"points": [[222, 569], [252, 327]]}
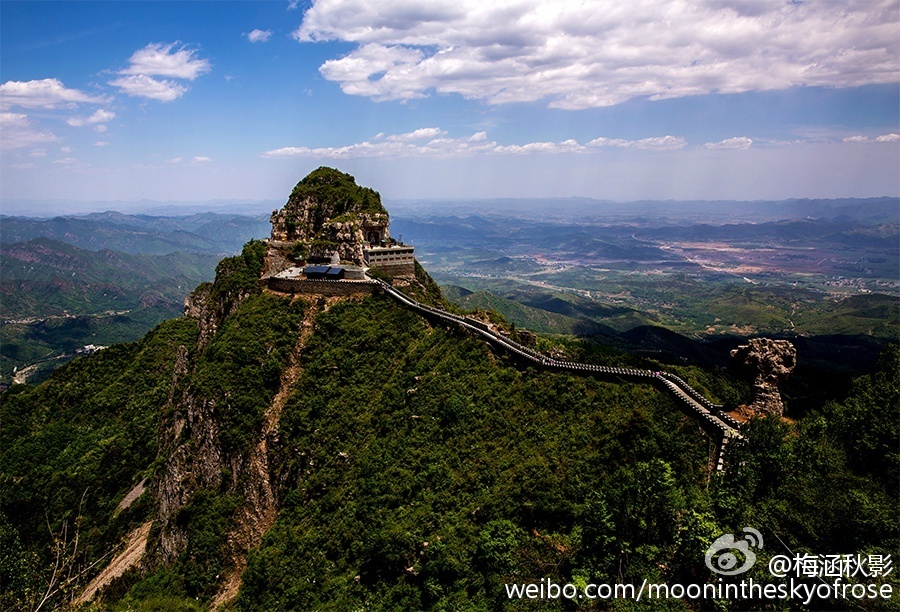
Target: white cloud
{"points": [[420, 134], [65, 149], [201, 159], [66, 161], [175, 160], [25, 166], [101, 143], [100, 128], [655, 143], [738, 142], [143, 86], [888, 138], [577, 54], [160, 59], [259, 36], [400, 145], [432, 142], [866, 139], [8, 120], [43, 93], [101, 116], [17, 131]]}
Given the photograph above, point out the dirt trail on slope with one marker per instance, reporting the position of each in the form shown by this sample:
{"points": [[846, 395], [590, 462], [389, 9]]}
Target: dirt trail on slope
{"points": [[135, 546], [258, 512]]}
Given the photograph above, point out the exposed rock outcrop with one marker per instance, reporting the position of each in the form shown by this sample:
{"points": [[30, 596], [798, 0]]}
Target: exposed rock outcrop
{"points": [[189, 433], [770, 362], [327, 212]]}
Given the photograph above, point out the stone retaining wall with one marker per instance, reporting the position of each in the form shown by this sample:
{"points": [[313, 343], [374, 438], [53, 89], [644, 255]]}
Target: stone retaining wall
{"points": [[397, 269], [327, 288]]}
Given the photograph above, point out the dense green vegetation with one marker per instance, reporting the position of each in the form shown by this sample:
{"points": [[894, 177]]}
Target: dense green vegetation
{"points": [[239, 371], [414, 457], [827, 484], [72, 447], [335, 194], [405, 437]]}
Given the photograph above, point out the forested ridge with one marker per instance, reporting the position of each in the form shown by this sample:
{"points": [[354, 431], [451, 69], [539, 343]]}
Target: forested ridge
{"points": [[413, 467]]}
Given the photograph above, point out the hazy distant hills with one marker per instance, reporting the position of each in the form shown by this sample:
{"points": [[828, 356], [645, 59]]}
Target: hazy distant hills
{"points": [[44, 277], [102, 278], [634, 240], [56, 298], [206, 232], [866, 210]]}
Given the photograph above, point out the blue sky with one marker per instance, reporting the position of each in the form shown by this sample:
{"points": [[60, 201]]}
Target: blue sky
{"points": [[651, 99]]}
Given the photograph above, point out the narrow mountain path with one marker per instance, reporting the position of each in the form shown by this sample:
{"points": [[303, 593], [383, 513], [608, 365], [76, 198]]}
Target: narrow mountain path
{"points": [[717, 423], [258, 512]]}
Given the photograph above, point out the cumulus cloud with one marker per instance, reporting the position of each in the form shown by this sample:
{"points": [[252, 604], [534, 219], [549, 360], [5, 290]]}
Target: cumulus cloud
{"points": [[143, 86], [17, 131], [160, 60], [738, 142], [866, 139], [259, 36], [43, 93], [100, 116], [576, 54], [432, 142]]}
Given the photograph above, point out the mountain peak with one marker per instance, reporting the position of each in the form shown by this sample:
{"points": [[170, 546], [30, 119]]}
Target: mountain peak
{"points": [[327, 213]]}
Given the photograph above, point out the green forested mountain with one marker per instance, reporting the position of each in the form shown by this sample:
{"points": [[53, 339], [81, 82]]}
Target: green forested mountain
{"points": [[56, 298], [140, 234], [44, 277], [346, 454]]}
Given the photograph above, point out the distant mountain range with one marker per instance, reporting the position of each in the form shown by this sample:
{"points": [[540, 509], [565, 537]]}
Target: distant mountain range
{"points": [[141, 234], [58, 298], [102, 278], [868, 210]]}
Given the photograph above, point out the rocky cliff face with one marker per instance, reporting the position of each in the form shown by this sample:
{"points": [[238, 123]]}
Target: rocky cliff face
{"points": [[770, 362], [327, 212], [194, 423]]}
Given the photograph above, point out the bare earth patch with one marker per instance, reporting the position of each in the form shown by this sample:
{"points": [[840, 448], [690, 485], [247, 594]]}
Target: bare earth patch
{"points": [[131, 496], [135, 546]]}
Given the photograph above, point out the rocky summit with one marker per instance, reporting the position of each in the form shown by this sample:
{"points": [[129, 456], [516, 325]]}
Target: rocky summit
{"points": [[327, 213]]}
